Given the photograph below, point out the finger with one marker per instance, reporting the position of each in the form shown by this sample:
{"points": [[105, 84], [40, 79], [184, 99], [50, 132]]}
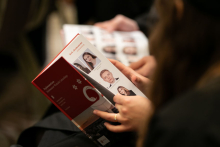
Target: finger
{"points": [[138, 64], [111, 27], [118, 64], [117, 129], [128, 72], [100, 24], [118, 106], [138, 80], [133, 76], [148, 69], [104, 25], [145, 71], [119, 99], [108, 116]]}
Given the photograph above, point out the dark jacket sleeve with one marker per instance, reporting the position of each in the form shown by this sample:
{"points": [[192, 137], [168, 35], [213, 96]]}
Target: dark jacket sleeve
{"points": [[188, 121]]}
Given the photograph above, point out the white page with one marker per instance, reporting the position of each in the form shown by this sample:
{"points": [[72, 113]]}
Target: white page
{"points": [[105, 42], [73, 54]]}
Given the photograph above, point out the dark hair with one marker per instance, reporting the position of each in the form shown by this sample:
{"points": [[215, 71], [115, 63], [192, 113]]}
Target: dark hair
{"points": [[184, 49], [126, 90], [112, 52], [104, 70], [89, 63], [77, 64], [86, 70]]}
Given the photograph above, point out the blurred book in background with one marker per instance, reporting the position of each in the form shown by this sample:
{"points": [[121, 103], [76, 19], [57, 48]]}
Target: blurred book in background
{"points": [[126, 47]]}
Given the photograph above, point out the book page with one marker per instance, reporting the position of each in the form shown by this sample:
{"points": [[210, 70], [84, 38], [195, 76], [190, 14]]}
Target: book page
{"points": [[77, 98], [126, 47], [83, 55]]}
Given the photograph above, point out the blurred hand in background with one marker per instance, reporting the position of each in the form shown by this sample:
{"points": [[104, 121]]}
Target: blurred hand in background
{"points": [[119, 23]]}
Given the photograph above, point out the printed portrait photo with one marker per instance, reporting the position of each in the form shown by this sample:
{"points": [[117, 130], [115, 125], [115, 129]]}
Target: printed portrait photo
{"points": [[130, 50], [81, 66], [90, 59], [108, 77], [111, 49], [86, 30], [124, 91]]}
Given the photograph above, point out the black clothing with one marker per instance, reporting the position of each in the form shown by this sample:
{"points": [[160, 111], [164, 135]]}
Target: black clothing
{"points": [[113, 84], [102, 10], [56, 130], [210, 7], [131, 93], [86, 70], [141, 11], [190, 120]]}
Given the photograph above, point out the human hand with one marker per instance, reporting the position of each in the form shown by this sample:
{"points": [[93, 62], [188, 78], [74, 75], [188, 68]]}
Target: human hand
{"points": [[140, 81], [119, 23], [145, 66], [134, 113]]}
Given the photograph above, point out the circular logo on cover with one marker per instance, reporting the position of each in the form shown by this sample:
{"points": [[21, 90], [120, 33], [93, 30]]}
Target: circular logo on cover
{"points": [[91, 94]]}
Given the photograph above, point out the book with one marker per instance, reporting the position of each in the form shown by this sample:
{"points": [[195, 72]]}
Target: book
{"points": [[77, 87], [126, 47]]}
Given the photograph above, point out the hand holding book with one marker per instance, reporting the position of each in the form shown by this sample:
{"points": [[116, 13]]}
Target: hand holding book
{"points": [[138, 80], [131, 108], [131, 112], [77, 92]]}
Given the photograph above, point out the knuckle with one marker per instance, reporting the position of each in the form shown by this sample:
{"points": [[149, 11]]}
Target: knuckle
{"points": [[115, 98], [127, 100], [120, 17], [124, 110], [108, 117]]}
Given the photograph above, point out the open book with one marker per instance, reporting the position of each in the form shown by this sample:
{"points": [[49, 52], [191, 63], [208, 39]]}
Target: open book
{"points": [[127, 47], [79, 80]]}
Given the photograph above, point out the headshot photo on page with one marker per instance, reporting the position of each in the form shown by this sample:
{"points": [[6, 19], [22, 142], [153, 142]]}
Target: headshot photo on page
{"points": [[130, 50], [81, 66], [90, 59], [108, 77], [86, 30], [124, 91], [109, 49]]}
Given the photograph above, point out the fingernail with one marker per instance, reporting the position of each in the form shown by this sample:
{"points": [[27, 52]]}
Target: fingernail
{"points": [[105, 124], [94, 111]]}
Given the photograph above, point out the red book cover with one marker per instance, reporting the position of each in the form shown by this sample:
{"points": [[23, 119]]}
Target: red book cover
{"points": [[66, 88]]}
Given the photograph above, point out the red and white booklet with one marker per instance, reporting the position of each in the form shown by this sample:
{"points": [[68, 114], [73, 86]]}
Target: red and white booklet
{"points": [[77, 87]]}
